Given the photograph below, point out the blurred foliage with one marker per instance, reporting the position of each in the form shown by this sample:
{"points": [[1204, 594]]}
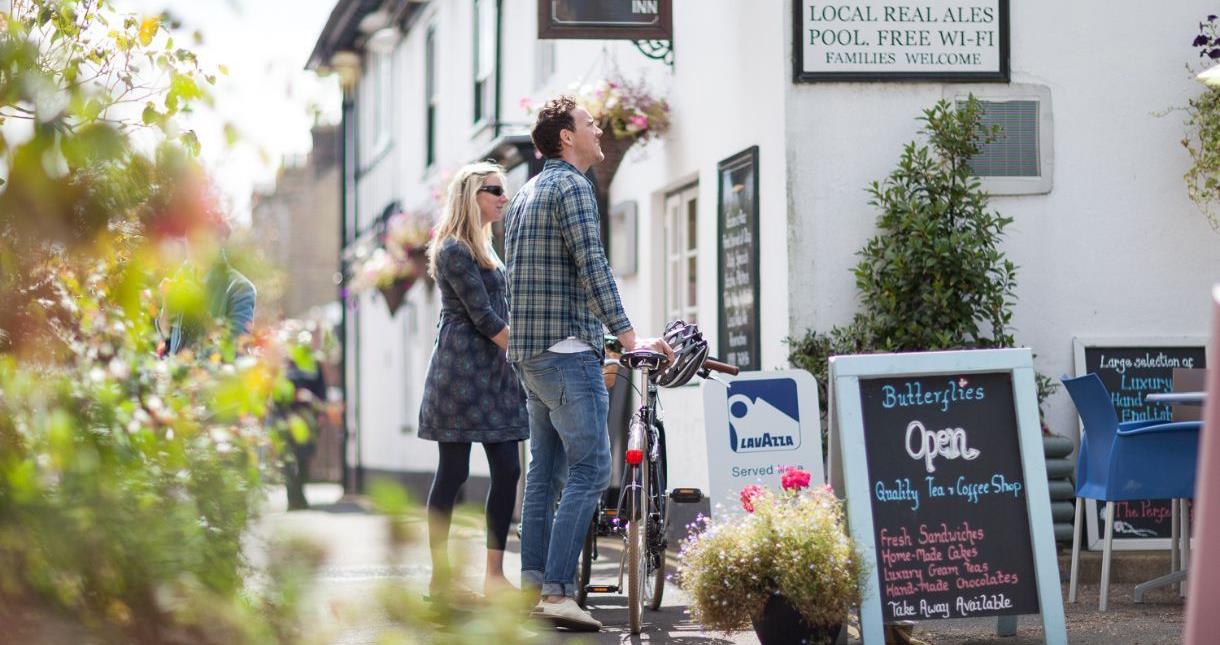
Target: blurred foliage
{"points": [[449, 615], [127, 480], [130, 479]]}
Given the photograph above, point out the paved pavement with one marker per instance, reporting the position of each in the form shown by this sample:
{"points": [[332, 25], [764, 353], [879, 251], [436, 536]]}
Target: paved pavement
{"points": [[360, 564]]}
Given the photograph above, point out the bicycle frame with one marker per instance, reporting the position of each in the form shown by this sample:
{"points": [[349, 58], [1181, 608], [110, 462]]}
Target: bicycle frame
{"points": [[641, 442]]}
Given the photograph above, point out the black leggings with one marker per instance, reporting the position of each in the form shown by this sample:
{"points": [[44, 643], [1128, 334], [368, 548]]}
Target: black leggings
{"points": [[451, 473]]}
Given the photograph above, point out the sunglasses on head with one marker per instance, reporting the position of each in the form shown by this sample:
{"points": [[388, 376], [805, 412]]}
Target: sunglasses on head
{"points": [[492, 190]]}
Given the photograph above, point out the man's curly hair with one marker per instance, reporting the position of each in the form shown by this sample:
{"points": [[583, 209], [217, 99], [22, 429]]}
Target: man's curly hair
{"points": [[555, 116]]}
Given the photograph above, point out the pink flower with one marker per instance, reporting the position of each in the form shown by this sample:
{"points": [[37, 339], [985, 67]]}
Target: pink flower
{"points": [[794, 478], [526, 103], [640, 121], [748, 494]]}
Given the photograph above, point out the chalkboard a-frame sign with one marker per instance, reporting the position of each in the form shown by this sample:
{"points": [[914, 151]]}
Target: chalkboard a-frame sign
{"points": [[946, 487], [1131, 368]]}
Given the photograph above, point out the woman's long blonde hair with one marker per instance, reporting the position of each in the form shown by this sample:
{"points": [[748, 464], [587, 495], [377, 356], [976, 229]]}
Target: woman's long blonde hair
{"points": [[462, 219]]}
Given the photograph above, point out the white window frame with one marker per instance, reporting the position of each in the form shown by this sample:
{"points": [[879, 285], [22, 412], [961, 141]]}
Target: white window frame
{"points": [[1043, 183], [431, 97], [484, 58], [678, 253], [381, 73], [544, 62]]}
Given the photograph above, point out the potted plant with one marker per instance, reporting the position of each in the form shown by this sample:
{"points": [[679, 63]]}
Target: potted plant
{"points": [[787, 567], [1202, 138], [394, 265]]}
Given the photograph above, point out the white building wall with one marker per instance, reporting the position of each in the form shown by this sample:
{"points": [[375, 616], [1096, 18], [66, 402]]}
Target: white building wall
{"points": [[726, 94], [1115, 249]]}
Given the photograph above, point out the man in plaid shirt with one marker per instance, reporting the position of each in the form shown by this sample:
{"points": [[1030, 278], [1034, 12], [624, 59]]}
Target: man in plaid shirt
{"points": [[561, 293]]}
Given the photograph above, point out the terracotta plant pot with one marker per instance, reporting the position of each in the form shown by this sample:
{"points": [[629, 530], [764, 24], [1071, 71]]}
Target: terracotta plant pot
{"points": [[418, 257], [780, 624], [395, 293], [614, 150]]}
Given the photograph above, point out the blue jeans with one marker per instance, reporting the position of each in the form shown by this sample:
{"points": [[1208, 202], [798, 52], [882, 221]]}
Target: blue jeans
{"points": [[567, 403]]}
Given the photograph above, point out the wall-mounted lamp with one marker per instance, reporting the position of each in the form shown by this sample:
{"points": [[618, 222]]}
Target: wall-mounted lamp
{"points": [[347, 65]]}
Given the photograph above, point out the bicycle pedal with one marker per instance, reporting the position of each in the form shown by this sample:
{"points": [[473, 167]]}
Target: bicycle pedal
{"points": [[601, 588], [686, 495]]}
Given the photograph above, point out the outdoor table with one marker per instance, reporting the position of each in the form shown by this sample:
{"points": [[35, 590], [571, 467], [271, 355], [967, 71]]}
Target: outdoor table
{"points": [[1173, 398], [1177, 398]]}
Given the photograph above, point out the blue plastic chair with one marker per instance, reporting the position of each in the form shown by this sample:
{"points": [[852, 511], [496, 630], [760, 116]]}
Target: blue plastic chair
{"points": [[1125, 461]]}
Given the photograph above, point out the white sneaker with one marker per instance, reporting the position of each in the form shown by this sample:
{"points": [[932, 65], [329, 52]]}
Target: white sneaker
{"points": [[567, 614]]}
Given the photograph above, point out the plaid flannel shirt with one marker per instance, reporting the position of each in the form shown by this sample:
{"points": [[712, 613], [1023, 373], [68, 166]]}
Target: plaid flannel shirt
{"points": [[559, 282]]}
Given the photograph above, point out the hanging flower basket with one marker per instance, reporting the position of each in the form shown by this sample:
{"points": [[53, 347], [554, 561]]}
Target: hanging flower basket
{"points": [[393, 266], [627, 113]]}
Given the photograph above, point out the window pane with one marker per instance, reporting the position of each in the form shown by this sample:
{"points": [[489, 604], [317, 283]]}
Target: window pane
{"points": [[672, 304], [544, 61], [430, 65], [692, 223], [691, 289], [486, 39]]}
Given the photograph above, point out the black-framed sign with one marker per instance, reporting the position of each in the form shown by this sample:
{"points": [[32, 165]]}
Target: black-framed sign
{"points": [[1131, 368], [737, 248], [901, 40], [605, 19], [946, 489]]}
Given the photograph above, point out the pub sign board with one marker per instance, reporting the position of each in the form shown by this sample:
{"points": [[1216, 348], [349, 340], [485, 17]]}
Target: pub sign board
{"points": [[737, 248], [605, 19], [901, 40], [946, 487], [1132, 368]]}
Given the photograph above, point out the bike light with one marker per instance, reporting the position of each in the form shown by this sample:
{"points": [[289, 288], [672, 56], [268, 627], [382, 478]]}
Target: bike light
{"points": [[686, 495], [634, 457]]}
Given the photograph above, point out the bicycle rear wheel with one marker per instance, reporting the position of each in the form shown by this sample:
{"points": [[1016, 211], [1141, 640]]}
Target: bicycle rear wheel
{"points": [[586, 563], [637, 553]]}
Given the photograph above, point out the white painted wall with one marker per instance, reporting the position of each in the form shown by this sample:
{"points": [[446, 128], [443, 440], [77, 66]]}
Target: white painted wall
{"points": [[727, 94], [1114, 249]]}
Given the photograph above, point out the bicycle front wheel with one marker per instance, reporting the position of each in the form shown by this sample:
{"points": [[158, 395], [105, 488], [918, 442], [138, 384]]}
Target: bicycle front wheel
{"points": [[656, 540], [637, 553]]}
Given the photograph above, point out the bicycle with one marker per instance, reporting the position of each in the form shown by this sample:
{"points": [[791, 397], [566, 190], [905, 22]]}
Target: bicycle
{"points": [[643, 503]]}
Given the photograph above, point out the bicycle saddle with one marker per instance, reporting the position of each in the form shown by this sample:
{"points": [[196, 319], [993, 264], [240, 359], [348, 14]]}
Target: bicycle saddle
{"points": [[643, 359]]}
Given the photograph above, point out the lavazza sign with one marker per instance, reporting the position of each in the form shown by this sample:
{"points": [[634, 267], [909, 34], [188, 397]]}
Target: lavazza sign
{"points": [[934, 40]]}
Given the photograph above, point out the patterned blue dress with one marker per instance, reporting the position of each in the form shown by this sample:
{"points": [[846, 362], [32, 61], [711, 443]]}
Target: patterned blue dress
{"points": [[471, 393]]}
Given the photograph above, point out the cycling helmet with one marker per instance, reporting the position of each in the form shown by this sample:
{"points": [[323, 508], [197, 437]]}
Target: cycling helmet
{"points": [[690, 350]]}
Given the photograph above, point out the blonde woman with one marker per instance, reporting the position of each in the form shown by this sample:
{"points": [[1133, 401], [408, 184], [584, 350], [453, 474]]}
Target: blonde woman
{"points": [[471, 394]]}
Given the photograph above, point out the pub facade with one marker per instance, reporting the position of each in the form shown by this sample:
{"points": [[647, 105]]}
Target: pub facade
{"points": [[747, 215]]}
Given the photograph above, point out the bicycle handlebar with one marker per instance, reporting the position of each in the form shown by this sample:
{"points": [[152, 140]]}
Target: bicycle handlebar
{"points": [[717, 366]]}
